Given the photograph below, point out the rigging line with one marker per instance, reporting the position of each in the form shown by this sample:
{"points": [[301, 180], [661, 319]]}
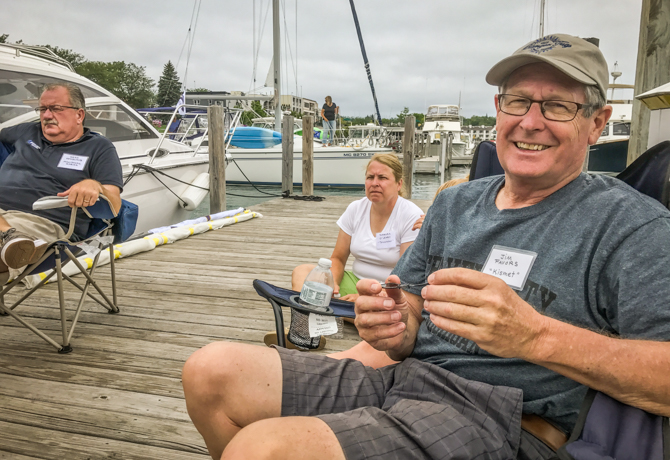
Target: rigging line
{"points": [[296, 51], [182, 48], [365, 59], [260, 38], [188, 56], [287, 41], [248, 180], [253, 49]]}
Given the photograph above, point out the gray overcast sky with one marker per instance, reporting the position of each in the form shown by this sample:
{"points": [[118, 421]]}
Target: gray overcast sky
{"points": [[421, 52]]}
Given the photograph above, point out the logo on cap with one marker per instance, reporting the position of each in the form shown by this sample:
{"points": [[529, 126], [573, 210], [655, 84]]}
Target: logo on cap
{"points": [[544, 44]]}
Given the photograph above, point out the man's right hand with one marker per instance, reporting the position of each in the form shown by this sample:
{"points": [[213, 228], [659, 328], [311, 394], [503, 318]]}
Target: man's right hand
{"points": [[383, 318]]}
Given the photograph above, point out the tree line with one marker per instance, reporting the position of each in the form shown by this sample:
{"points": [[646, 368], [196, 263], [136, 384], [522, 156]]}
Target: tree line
{"points": [[126, 80]]}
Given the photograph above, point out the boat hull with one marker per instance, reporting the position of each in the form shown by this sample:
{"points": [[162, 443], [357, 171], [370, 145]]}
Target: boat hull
{"points": [[159, 207], [608, 157], [333, 167]]}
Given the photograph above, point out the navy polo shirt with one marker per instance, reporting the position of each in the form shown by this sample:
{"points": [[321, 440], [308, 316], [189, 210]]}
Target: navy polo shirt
{"points": [[39, 168]]}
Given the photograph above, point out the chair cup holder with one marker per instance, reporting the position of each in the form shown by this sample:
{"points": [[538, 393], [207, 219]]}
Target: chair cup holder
{"points": [[307, 310]]}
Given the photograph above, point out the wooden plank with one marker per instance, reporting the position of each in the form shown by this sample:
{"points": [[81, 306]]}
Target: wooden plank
{"points": [[138, 429], [119, 393], [59, 445]]}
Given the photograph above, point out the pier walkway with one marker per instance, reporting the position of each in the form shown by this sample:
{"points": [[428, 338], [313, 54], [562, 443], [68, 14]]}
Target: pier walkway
{"points": [[119, 394]]}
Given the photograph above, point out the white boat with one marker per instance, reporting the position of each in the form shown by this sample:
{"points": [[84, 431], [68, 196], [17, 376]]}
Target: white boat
{"points": [[610, 153], [155, 170], [443, 124], [334, 166]]}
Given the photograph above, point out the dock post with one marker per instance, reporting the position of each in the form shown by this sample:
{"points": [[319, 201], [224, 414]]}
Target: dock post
{"points": [[653, 54], [407, 156], [217, 160], [308, 155], [444, 145], [287, 156]]}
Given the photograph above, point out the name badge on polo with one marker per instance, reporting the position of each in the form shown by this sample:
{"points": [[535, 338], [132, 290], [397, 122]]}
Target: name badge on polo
{"points": [[510, 265], [69, 161], [386, 240]]}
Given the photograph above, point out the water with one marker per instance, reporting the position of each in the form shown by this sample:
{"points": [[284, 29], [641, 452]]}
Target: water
{"points": [[424, 187]]}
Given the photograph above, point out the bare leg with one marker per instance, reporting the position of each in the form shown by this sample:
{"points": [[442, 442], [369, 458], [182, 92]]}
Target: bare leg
{"points": [[364, 353], [285, 438], [4, 226], [299, 274], [229, 388]]}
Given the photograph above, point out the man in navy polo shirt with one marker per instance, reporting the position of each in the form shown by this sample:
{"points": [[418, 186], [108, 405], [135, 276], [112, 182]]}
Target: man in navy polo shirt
{"points": [[55, 156]]}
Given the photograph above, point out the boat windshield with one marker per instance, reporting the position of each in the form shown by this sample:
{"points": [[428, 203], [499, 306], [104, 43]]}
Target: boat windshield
{"points": [[115, 123], [621, 129], [20, 92]]}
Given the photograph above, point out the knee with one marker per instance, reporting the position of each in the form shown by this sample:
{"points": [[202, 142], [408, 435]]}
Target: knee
{"points": [[208, 371], [299, 274]]}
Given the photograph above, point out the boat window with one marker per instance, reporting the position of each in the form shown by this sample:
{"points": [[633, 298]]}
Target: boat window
{"points": [[115, 123], [20, 92], [621, 129], [606, 131], [432, 110]]}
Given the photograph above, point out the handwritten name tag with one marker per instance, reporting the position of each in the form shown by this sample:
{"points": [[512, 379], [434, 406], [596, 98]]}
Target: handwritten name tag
{"points": [[386, 240], [69, 161], [510, 265], [321, 325]]}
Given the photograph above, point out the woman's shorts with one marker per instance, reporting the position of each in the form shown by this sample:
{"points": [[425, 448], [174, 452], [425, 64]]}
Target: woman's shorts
{"points": [[348, 284]]}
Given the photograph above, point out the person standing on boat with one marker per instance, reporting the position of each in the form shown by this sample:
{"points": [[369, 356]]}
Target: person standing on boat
{"points": [[55, 156], [329, 113], [522, 291]]}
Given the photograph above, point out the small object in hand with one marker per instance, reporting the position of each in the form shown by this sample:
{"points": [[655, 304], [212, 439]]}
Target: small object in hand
{"points": [[401, 285]]}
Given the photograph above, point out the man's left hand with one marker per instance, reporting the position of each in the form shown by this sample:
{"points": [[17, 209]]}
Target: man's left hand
{"points": [[83, 194], [484, 309]]}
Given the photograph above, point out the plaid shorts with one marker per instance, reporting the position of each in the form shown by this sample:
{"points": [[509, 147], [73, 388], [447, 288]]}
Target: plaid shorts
{"points": [[411, 410]]}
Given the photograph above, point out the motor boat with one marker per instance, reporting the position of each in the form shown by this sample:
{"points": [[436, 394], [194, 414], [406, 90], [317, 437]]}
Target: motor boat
{"points": [[443, 125], [156, 169]]}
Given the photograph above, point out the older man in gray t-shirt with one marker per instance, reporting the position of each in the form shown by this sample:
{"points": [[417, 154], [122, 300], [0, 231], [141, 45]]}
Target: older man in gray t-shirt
{"points": [[541, 282]]}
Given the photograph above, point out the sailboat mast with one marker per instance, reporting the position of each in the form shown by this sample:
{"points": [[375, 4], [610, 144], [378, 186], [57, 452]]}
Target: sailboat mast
{"points": [[542, 18], [276, 55]]}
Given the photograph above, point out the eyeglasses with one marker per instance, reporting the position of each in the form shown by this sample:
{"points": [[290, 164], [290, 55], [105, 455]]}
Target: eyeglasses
{"points": [[512, 104], [53, 108]]}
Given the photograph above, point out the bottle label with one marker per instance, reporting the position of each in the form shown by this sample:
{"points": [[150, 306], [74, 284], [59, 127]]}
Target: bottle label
{"points": [[322, 325], [318, 298]]}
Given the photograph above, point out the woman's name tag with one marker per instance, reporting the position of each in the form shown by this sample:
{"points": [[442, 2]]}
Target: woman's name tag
{"points": [[510, 265], [386, 240]]}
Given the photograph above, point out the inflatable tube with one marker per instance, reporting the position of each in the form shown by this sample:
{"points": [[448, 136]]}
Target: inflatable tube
{"points": [[249, 137]]}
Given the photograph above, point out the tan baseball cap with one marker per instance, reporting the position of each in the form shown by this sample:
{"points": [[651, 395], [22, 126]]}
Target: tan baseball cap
{"points": [[574, 56]]}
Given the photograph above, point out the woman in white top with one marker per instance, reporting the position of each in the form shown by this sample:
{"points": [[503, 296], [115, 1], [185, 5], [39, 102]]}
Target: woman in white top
{"points": [[376, 230]]}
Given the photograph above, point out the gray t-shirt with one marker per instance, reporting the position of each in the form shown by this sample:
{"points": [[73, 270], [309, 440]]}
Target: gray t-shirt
{"points": [[603, 263], [39, 168]]}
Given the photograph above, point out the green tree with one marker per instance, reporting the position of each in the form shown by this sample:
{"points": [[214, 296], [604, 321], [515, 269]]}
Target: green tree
{"points": [[477, 120], [198, 90], [169, 87], [3, 38], [400, 119], [128, 82], [75, 59], [255, 112]]}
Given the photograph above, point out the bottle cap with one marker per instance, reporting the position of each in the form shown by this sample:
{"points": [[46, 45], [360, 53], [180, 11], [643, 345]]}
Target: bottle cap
{"points": [[325, 262]]}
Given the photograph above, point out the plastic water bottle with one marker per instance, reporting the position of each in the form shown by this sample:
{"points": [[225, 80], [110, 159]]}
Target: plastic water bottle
{"points": [[318, 290]]}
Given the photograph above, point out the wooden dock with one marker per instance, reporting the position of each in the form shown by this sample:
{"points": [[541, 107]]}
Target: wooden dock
{"points": [[119, 394]]}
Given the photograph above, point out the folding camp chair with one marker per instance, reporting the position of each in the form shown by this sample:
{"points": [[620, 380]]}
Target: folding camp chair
{"points": [[485, 161], [101, 235], [298, 333]]}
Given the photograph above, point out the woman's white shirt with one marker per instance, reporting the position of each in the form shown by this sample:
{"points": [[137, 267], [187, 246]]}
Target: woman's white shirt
{"points": [[371, 261]]}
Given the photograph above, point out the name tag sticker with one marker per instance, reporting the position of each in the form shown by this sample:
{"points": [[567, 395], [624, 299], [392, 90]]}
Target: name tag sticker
{"points": [[510, 265], [321, 325], [386, 240], [69, 161]]}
